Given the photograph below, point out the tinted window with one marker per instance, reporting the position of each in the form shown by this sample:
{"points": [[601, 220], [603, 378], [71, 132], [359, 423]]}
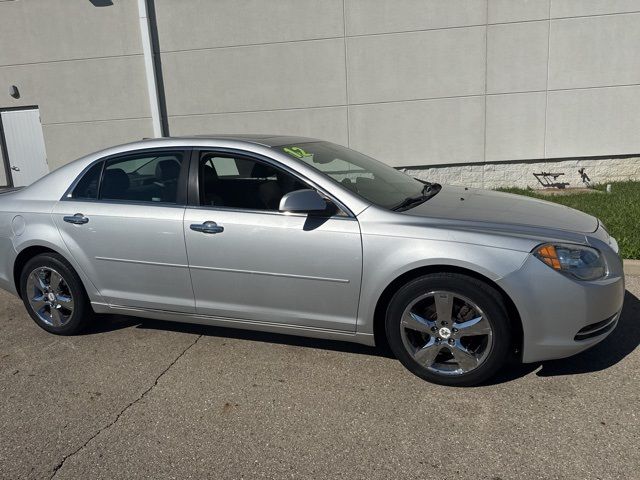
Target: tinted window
{"points": [[87, 187], [142, 178], [227, 181]]}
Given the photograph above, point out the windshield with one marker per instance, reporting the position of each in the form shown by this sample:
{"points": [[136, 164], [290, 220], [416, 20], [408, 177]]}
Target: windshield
{"points": [[373, 180]]}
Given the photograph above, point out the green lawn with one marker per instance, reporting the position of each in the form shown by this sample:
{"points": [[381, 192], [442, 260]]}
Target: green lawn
{"points": [[619, 211]]}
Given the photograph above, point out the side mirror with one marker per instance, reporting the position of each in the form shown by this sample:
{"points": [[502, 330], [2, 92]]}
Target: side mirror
{"points": [[303, 201]]}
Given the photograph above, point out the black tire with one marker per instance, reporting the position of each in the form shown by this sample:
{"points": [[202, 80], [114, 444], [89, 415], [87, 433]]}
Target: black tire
{"points": [[79, 311], [479, 293]]}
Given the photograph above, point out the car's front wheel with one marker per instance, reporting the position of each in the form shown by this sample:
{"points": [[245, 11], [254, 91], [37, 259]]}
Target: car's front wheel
{"points": [[53, 295], [449, 329]]}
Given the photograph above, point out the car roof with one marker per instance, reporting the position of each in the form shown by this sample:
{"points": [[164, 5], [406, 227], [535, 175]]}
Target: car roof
{"points": [[257, 139]]}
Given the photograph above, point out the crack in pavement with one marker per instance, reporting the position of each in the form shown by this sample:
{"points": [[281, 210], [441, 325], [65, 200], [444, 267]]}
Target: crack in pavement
{"points": [[127, 407]]}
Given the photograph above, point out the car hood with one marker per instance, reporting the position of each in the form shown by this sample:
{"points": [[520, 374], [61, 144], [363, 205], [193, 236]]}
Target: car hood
{"points": [[469, 204]]}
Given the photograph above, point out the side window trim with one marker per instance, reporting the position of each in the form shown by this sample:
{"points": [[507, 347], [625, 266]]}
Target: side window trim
{"points": [[194, 183], [104, 164], [183, 188]]}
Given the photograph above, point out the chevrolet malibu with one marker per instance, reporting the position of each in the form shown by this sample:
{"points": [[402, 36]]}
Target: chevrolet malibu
{"points": [[300, 236]]}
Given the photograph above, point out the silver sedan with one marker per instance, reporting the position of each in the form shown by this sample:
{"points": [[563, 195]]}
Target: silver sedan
{"points": [[305, 237]]}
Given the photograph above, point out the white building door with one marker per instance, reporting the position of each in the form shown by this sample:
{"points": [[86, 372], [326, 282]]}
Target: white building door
{"points": [[24, 146]]}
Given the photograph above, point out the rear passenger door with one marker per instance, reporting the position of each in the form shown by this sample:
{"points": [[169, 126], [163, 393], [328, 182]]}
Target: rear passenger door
{"points": [[122, 222], [250, 261]]}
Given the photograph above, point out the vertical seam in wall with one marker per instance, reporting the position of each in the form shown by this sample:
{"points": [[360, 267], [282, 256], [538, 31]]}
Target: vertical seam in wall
{"points": [[346, 69], [486, 89], [546, 90], [157, 62], [144, 22]]}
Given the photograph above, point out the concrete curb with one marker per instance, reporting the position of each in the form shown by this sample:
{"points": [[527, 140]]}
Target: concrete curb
{"points": [[632, 267]]}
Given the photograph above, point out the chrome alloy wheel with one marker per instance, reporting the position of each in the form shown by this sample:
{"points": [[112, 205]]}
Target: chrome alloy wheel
{"points": [[446, 333], [49, 296]]}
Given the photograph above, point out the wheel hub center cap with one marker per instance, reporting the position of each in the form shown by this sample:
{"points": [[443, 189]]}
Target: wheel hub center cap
{"points": [[51, 296], [444, 332]]}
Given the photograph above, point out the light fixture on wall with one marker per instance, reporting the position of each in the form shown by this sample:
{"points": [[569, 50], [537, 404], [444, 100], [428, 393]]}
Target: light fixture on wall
{"points": [[14, 92]]}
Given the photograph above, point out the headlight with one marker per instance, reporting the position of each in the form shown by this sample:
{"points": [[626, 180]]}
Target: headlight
{"points": [[583, 263]]}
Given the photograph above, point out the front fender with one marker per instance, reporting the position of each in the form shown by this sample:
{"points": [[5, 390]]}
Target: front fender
{"points": [[386, 258]]}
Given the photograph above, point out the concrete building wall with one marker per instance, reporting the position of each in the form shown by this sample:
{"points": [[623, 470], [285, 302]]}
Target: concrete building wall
{"points": [[82, 65], [254, 66], [415, 83]]}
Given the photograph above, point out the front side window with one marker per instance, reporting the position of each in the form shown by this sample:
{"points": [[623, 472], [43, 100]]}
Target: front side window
{"points": [[237, 182], [373, 180], [142, 178]]}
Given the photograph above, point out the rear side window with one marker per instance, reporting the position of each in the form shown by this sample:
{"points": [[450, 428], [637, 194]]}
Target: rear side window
{"points": [[139, 178], [87, 187], [142, 178]]}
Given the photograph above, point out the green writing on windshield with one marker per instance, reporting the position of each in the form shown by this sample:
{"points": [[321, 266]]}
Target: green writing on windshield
{"points": [[297, 152]]}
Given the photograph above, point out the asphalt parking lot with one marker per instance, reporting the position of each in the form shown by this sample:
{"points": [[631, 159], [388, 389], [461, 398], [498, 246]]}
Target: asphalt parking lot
{"points": [[137, 398]]}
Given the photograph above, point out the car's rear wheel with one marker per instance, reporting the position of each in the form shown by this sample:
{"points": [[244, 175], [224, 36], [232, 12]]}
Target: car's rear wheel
{"points": [[449, 329], [53, 295]]}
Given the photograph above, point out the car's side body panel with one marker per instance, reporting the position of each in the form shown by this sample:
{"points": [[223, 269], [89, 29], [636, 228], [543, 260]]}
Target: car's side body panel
{"points": [[389, 256], [32, 225], [313, 332], [135, 254], [274, 267], [502, 254]]}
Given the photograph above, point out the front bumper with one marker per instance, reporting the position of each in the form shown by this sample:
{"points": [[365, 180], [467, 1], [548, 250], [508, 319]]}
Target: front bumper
{"points": [[562, 316]]}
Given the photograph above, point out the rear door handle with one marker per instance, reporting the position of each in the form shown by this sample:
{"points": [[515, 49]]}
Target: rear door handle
{"points": [[77, 219], [207, 227]]}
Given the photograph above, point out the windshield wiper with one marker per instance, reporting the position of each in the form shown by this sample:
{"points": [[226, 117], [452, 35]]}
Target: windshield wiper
{"points": [[429, 187], [428, 191]]}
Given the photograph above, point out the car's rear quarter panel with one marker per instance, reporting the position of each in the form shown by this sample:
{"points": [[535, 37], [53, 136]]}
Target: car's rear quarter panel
{"points": [[27, 222]]}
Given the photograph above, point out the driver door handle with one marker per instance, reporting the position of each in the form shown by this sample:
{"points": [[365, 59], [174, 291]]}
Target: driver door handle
{"points": [[207, 227], [77, 219]]}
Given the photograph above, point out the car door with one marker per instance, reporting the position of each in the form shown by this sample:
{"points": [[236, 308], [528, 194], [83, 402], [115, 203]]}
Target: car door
{"points": [[122, 222], [249, 261]]}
